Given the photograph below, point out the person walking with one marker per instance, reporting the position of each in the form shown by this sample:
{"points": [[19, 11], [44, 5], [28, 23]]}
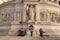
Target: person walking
{"points": [[31, 28], [41, 32]]}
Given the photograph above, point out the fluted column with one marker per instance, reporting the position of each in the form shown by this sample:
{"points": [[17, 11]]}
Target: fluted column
{"points": [[48, 16], [37, 14], [45, 15], [31, 13], [24, 14], [56, 17]]}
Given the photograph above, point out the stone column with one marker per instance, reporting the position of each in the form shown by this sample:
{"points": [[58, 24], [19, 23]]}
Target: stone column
{"points": [[56, 17], [19, 16], [37, 14], [53, 19], [59, 18], [48, 15], [15, 25], [45, 13], [31, 13], [24, 14]]}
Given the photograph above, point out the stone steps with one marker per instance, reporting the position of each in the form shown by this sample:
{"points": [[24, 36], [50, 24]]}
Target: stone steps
{"points": [[4, 30], [28, 38]]}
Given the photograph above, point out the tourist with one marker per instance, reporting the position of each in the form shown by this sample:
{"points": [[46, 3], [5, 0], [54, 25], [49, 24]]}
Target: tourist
{"points": [[41, 32], [31, 28], [22, 32]]}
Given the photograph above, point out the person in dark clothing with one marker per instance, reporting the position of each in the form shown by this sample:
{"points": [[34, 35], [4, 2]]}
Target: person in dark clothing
{"points": [[18, 33], [22, 32], [31, 29], [41, 32]]}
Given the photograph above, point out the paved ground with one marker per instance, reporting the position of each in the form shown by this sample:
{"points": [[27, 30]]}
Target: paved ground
{"points": [[28, 38]]}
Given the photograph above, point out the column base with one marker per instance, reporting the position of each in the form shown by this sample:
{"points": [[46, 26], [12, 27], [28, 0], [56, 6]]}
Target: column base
{"points": [[14, 28], [38, 22], [31, 22]]}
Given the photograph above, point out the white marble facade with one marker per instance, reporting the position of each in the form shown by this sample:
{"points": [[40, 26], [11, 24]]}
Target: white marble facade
{"points": [[21, 13]]}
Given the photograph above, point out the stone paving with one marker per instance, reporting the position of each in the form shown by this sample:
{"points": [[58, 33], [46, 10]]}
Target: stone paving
{"points": [[28, 38]]}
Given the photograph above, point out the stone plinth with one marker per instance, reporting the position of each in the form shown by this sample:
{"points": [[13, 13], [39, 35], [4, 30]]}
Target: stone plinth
{"points": [[31, 22], [14, 28]]}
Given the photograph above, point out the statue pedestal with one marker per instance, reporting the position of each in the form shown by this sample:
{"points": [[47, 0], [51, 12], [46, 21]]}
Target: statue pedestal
{"points": [[14, 28], [31, 22], [38, 22]]}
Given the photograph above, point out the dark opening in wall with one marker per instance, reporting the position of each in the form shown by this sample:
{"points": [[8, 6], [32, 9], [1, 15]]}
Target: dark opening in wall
{"points": [[39, 0], [49, 0], [59, 2], [55, 1]]}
